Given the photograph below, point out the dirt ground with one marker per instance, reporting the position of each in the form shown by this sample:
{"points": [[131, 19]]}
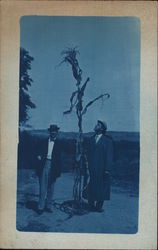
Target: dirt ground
{"points": [[120, 213]]}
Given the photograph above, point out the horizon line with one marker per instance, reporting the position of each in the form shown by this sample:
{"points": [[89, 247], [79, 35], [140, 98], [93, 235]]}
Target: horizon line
{"points": [[61, 131]]}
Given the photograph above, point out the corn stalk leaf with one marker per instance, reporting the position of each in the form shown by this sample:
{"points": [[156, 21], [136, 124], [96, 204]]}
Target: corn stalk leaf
{"points": [[94, 100], [71, 103]]}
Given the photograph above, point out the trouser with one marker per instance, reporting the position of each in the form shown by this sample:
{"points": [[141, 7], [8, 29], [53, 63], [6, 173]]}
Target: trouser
{"points": [[46, 187], [99, 204]]}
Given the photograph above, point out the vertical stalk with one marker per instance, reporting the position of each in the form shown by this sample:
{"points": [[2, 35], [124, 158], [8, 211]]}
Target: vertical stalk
{"points": [[80, 136]]}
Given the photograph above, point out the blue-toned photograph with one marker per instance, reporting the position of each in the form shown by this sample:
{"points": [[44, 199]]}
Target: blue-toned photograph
{"points": [[79, 121]]}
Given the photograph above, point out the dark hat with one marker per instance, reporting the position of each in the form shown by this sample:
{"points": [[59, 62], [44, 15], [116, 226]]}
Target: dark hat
{"points": [[104, 125], [53, 128]]}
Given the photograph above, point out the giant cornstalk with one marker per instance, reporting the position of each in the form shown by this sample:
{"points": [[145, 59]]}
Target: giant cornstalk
{"points": [[76, 101]]}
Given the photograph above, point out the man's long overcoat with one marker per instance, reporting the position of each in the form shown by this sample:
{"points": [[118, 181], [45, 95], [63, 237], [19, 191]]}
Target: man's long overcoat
{"points": [[100, 157]]}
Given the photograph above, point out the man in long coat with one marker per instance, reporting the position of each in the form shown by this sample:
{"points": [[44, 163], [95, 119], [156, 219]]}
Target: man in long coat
{"points": [[50, 165], [100, 157]]}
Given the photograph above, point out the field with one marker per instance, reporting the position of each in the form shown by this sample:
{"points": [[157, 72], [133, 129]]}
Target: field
{"points": [[120, 213]]}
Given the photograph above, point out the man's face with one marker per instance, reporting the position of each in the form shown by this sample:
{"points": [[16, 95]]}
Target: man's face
{"points": [[53, 135], [98, 128]]}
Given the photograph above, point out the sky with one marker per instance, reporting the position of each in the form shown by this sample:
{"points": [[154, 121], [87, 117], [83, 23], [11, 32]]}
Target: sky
{"points": [[109, 54]]}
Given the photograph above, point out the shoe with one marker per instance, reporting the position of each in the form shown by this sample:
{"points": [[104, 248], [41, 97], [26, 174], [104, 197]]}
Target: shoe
{"points": [[91, 206], [49, 210], [100, 210], [40, 211], [92, 209]]}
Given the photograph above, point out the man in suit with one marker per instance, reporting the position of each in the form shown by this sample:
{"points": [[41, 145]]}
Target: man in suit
{"points": [[50, 162], [99, 156]]}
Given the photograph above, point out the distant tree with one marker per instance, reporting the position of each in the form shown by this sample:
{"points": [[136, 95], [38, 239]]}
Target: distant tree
{"points": [[25, 81]]}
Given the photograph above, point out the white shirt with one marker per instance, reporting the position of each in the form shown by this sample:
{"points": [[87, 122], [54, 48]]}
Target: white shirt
{"points": [[97, 138], [50, 149]]}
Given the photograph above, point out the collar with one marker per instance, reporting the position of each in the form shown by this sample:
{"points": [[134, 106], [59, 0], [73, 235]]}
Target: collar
{"points": [[98, 136], [50, 140]]}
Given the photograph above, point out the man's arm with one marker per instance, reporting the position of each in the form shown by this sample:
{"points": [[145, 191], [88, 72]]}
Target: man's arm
{"points": [[39, 148], [109, 155]]}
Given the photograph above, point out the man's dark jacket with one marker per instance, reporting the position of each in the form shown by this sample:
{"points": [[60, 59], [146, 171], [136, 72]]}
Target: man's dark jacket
{"points": [[60, 145], [42, 150]]}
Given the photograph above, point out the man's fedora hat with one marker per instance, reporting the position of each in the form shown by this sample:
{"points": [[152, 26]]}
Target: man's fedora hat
{"points": [[104, 125], [53, 128]]}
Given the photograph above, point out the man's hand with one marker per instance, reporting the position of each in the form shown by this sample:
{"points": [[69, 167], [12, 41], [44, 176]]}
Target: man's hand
{"points": [[78, 157], [39, 157]]}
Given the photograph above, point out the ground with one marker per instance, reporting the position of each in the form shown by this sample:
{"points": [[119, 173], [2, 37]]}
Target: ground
{"points": [[120, 214]]}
